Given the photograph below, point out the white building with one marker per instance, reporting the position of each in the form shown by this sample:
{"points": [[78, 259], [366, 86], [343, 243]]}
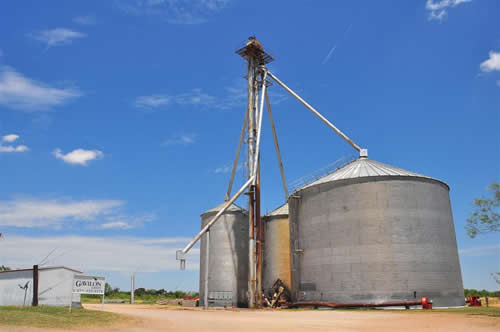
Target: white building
{"points": [[54, 286]]}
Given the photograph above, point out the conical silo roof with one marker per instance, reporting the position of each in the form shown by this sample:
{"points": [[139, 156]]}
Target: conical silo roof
{"points": [[232, 208], [364, 167], [280, 211]]}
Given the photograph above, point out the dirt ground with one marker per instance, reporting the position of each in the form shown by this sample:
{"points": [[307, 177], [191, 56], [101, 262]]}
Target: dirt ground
{"points": [[161, 318]]}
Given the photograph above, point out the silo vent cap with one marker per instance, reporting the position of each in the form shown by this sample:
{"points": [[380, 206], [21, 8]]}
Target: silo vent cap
{"points": [[363, 153]]}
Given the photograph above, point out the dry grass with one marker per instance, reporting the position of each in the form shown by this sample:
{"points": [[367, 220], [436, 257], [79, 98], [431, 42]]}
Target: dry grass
{"points": [[59, 317]]}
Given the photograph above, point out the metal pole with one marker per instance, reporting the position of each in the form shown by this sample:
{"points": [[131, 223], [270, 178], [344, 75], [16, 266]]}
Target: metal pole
{"points": [[35, 285], [276, 145], [251, 155], [102, 303], [259, 239], [259, 123], [322, 118], [207, 258], [214, 219], [235, 163], [132, 288], [71, 294]]}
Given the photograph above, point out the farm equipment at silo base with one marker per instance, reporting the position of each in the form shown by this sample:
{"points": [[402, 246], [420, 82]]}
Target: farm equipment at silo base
{"points": [[474, 301]]}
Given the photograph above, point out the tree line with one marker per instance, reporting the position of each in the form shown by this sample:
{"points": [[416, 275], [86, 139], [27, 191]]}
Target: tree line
{"points": [[109, 291]]}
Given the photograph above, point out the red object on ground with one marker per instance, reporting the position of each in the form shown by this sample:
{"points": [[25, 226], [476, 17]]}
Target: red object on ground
{"points": [[474, 301], [187, 297], [426, 303]]}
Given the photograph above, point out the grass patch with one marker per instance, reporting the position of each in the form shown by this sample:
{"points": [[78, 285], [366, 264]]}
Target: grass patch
{"points": [[482, 311], [59, 317]]}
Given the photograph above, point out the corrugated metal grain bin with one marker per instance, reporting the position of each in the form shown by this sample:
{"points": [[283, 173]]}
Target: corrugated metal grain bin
{"points": [[228, 258], [276, 248], [372, 232]]}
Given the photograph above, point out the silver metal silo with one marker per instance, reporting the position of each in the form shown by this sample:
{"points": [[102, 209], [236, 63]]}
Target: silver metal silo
{"points": [[276, 248], [372, 232], [228, 258]]}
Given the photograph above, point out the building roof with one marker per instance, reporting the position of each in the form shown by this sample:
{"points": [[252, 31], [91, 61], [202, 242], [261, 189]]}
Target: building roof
{"points": [[232, 208], [364, 167], [44, 268], [280, 211]]}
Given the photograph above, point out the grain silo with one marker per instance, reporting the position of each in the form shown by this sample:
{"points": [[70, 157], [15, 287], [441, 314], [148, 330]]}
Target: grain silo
{"points": [[228, 258], [370, 232], [276, 263]]}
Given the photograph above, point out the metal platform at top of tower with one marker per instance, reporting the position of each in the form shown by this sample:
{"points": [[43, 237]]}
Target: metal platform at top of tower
{"points": [[254, 48]]}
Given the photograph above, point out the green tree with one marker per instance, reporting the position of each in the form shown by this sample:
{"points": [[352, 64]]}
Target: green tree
{"points": [[486, 217], [140, 292], [108, 289], [4, 268]]}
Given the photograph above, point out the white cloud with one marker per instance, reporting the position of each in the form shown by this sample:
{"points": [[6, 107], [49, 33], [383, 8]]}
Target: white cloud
{"points": [[120, 221], [439, 9], [11, 148], [85, 253], [195, 97], [490, 250], [227, 169], [234, 96], [85, 20], [19, 148], [492, 64], [152, 101], [174, 11], [78, 156], [22, 93], [115, 225], [181, 140], [10, 138], [58, 36], [223, 169], [53, 213]]}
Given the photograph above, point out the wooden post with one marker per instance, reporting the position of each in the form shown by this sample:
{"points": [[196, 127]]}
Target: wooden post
{"points": [[35, 285]]}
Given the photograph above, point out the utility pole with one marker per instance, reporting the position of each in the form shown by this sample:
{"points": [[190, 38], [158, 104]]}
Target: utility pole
{"points": [[35, 285], [132, 288]]}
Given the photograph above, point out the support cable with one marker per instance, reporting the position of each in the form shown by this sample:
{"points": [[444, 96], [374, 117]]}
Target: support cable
{"points": [[236, 158]]}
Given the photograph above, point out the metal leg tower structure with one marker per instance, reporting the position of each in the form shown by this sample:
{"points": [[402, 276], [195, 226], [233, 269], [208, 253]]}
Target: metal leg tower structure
{"points": [[257, 75]]}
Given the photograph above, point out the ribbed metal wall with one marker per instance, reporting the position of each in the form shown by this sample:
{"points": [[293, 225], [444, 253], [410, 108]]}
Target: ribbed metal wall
{"points": [[276, 251], [228, 257], [373, 239]]}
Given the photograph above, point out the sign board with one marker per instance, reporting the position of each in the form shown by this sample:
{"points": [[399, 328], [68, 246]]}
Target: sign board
{"points": [[88, 284]]}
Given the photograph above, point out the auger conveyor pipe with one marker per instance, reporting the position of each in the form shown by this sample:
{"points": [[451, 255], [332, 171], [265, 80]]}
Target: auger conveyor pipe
{"points": [[315, 112], [216, 217], [354, 304]]}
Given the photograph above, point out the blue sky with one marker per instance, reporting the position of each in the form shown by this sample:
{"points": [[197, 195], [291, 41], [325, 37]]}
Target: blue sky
{"points": [[119, 119]]}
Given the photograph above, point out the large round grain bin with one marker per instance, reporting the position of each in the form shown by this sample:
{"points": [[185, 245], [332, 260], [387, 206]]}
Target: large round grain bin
{"points": [[370, 232], [276, 248], [228, 258]]}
